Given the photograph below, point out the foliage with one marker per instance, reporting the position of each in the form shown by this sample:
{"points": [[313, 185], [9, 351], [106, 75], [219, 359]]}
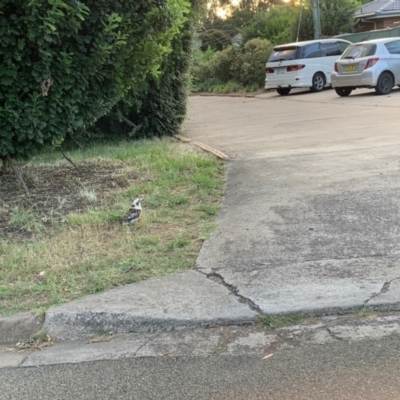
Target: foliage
{"points": [[254, 57], [337, 17], [244, 66], [157, 107], [239, 19], [274, 25], [216, 39], [218, 9], [65, 63], [225, 65]]}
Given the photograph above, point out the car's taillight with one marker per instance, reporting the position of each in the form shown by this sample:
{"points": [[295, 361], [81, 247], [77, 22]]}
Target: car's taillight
{"points": [[371, 62], [295, 67], [335, 67], [269, 70]]}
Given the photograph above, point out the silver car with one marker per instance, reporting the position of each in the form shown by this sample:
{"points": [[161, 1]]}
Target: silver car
{"points": [[374, 64]]}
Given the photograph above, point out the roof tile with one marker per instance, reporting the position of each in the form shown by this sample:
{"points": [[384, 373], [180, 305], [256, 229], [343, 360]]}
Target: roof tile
{"points": [[379, 7]]}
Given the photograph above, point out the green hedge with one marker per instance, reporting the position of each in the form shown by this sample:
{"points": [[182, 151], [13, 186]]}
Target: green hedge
{"points": [[158, 106], [65, 63]]}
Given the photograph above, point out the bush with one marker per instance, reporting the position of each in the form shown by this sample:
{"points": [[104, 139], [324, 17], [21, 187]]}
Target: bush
{"points": [[255, 55], [65, 63], [224, 64], [157, 107], [246, 67]]}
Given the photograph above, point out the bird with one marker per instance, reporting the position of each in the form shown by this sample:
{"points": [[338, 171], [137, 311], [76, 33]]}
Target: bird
{"points": [[134, 212]]}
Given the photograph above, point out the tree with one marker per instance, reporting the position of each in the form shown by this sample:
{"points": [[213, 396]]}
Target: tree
{"points": [[216, 39], [65, 63], [336, 17], [275, 25]]}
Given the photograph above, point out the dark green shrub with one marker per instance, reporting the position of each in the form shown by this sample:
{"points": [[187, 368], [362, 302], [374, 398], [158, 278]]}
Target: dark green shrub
{"points": [[246, 67], [216, 39], [199, 69], [65, 63], [255, 55], [158, 106], [225, 63]]}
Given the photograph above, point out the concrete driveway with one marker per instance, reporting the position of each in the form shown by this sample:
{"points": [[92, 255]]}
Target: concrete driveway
{"points": [[311, 216]]}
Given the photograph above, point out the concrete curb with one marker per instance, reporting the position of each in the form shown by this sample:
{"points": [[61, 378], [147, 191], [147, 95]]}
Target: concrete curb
{"points": [[228, 340], [18, 328], [185, 300]]}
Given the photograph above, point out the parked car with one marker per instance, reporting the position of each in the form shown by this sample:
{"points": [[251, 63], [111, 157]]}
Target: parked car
{"points": [[303, 64], [374, 64]]}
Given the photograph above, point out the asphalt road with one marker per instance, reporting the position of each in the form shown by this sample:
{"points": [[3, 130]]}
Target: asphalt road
{"points": [[367, 370], [310, 217]]}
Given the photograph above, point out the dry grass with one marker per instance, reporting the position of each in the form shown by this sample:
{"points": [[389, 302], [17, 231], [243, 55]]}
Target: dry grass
{"points": [[78, 246]]}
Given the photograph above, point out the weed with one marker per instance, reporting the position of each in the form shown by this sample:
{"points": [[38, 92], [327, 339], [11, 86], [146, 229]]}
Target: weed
{"points": [[88, 194], [24, 219], [364, 312], [218, 350], [101, 332], [39, 338]]}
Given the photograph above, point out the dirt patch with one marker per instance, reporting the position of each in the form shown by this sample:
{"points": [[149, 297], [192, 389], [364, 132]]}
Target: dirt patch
{"points": [[56, 190]]}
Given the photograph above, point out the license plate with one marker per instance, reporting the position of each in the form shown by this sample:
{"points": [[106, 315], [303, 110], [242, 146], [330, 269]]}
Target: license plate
{"points": [[349, 68], [280, 71]]}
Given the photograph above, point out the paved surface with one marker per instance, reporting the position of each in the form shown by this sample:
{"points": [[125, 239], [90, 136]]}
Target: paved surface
{"points": [[364, 370], [310, 220], [229, 340], [309, 223]]}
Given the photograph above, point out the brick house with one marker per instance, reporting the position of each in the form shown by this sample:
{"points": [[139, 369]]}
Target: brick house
{"points": [[378, 14]]}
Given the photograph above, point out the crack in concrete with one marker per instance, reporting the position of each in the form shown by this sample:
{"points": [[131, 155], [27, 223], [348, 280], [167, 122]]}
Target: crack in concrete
{"points": [[146, 343], [332, 335], [214, 276], [384, 289]]}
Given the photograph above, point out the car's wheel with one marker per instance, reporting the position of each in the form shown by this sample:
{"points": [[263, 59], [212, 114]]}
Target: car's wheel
{"points": [[385, 83], [318, 82], [343, 91], [283, 91]]}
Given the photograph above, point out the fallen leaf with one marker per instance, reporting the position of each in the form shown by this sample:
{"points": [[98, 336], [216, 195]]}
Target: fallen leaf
{"points": [[268, 356]]}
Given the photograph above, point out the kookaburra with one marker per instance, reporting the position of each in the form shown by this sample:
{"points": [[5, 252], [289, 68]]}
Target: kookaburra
{"points": [[134, 212]]}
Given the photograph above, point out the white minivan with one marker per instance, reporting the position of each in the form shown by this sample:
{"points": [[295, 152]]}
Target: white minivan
{"points": [[303, 64]]}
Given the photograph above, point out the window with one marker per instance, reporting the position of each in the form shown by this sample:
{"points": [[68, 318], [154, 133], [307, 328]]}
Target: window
{"points": [[343, 46], [393, 47], [283, 54], [360, 50], [311, 51], [330, 49]]}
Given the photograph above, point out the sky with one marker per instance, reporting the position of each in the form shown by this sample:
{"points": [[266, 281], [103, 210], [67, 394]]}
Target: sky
{"points": [[224, 11]]}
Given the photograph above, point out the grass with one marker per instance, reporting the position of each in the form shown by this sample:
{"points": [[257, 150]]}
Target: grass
{"points": [[215, 86], [88, 250]]}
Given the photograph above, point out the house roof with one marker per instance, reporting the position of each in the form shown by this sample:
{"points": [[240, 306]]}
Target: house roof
{"points": [[379, 8]]}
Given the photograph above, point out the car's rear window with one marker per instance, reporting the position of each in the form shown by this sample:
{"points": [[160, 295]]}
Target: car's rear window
{"points": [[283, 54], [360, 50]]}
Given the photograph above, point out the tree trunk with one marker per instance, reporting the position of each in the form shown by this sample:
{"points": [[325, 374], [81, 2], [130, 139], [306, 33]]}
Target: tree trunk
{"points": [[17, 173]]}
